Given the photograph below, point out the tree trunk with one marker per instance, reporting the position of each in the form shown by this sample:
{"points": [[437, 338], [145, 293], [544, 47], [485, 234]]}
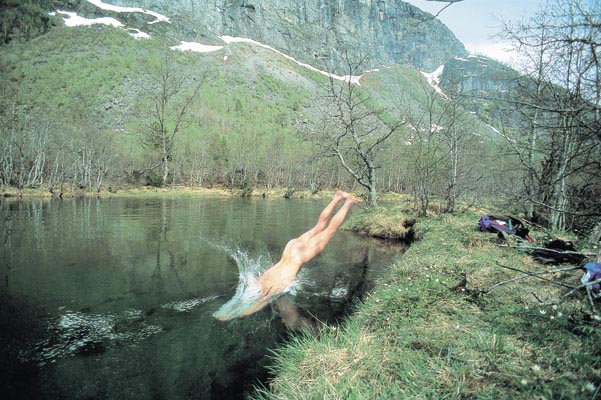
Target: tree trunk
{"points": [[560, 201], [372, 198], [165, 170], [595, 239]]}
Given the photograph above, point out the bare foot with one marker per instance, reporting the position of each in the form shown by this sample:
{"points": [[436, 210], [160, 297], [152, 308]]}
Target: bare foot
{"points": [[353, 199], [341, 195]]}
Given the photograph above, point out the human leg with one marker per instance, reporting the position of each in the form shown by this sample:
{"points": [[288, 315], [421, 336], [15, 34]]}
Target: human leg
{"points": [[302, 249], [340, 216], [322, 221], [305, 251]]}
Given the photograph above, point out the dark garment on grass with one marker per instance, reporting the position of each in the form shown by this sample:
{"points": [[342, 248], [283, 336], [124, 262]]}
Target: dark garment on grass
{"points": [[558, 251]]}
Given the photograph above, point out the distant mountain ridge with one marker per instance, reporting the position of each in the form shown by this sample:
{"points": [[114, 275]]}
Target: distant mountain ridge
{"points": [[317, 32], [88, 81]]}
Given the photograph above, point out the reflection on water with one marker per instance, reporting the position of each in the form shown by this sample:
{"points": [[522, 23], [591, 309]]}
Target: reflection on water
{"points": [[114, 298]]}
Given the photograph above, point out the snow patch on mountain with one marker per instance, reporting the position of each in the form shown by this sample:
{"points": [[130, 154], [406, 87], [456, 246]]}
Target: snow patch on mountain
{"points": [[195, 47], [72, 19], [138, 34], [495, 130], [120, 9], [346, 78], [203, 48], [434, 80]]}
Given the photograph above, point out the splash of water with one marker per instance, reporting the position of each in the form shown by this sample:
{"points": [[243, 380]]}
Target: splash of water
{"points": [[248, 291]]}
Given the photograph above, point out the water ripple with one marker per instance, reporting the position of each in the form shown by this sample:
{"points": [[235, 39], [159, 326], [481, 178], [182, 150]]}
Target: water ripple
{"points": [[77, 333], [188, 304]]}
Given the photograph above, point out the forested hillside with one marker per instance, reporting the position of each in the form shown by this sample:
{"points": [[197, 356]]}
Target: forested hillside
{"points": [[25, 20], [98, 106], [83, 104]]}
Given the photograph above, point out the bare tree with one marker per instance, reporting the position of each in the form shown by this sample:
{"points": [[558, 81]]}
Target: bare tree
{"points": [[168, 112], [352, 129], [426, 147], [24, 145], [560, 102], [457, 132]]}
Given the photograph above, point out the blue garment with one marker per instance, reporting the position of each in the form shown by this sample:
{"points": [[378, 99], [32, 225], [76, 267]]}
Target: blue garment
{"points": [[488, 224], [592, 273]]}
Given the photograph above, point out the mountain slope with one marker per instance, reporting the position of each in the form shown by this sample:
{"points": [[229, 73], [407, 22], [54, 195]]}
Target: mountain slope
{"points": [[82, 102], [314, 31]]}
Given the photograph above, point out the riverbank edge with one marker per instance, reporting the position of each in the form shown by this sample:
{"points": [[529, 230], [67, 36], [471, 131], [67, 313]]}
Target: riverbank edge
{"points": [[428, 330], [69, 192], [128, 191], [11, 192]]}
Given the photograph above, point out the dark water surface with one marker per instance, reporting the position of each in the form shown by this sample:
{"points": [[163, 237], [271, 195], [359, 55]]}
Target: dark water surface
{"points": [[112, 298]]}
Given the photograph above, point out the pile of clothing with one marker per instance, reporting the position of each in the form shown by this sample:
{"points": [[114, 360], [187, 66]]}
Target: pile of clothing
{"points": [[504, 224]]}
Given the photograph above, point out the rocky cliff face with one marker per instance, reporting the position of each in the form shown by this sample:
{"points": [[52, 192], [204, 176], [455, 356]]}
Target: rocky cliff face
{"points": [[316, 31], [476, 75], [480, 84]]}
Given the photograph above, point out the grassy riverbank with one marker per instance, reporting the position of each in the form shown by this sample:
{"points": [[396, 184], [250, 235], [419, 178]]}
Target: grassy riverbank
{"points": [[416, 337], [72, 192]]}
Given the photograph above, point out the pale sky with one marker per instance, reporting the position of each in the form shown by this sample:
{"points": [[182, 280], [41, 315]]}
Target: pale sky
{"points": [[475, 21]]}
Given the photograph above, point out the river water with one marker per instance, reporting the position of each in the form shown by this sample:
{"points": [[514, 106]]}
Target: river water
{"points": [[113, 298]]}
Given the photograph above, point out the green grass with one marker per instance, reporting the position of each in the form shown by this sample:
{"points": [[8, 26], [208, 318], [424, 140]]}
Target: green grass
{"points": [[416, 338], [380, 222]]}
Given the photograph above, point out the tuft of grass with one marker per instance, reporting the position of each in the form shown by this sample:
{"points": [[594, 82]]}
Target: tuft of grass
{"points": [[416, 337], [381, 223]]}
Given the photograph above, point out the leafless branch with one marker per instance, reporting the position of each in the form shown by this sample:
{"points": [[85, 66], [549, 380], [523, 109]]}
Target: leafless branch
{"points": [[450, 3], [537, 274], [528, 248]]}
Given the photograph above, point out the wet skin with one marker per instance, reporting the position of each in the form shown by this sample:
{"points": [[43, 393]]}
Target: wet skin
{"points": [[300, 250]]}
